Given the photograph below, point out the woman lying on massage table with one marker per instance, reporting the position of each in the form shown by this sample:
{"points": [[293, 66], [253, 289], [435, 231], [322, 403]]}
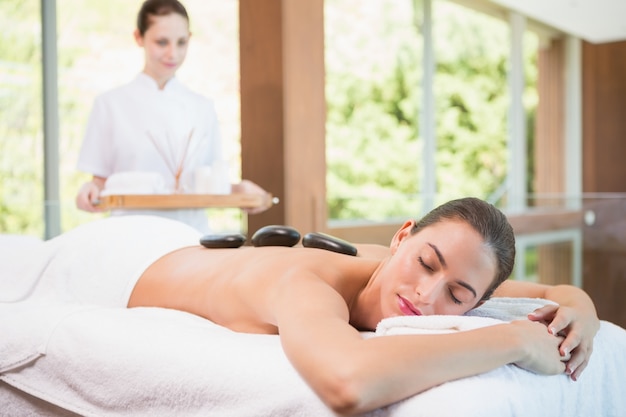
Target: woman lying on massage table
{"points": [[449, 262]]}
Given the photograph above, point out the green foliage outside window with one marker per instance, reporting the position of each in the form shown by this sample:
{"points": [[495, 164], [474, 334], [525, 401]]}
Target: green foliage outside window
{"points": [[374, 151], [21, 153]]}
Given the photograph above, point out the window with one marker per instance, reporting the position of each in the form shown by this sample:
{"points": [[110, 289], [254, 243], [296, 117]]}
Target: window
{"points": [[378, 83]]}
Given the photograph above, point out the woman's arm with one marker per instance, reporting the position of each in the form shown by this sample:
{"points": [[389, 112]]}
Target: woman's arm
{"points": [[353, 375], [575, 317]]}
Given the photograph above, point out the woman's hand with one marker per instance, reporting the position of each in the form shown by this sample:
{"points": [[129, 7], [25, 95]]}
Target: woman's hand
{"points": [[578, 328], [88, 196], [540, 348], [249, 187], [574, 317]]}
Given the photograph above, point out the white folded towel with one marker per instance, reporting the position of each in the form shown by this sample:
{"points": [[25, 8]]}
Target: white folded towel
{"points": [[494, 311], [509, 309], [134, 183]]}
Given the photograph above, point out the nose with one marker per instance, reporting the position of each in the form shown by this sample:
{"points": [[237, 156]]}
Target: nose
{"points": [[171, 51], [429, 289]]}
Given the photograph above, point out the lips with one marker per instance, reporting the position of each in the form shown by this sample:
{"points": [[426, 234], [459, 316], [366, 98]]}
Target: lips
{"points": [[407, 308]]}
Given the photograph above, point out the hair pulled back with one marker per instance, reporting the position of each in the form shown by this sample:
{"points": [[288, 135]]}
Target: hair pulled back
{"points": [[158, 8]]}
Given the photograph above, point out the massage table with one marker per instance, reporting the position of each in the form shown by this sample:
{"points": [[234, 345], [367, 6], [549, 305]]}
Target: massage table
{"points": [[64, 359]]}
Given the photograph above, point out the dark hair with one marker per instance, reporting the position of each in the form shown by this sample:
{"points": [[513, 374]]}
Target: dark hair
{"points": [[158, 8], [489, 222]]}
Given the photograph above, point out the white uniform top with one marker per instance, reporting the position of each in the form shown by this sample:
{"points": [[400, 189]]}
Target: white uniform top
{"points": [[138, 127]]}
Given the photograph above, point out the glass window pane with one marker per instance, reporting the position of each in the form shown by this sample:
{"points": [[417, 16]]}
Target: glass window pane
{"points": [[373, 60], [21, 126], [547, 263], [472, 101]]}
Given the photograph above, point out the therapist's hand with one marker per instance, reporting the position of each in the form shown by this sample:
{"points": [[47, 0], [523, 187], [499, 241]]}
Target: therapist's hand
{"points": [[249, 187], [88, 196]]}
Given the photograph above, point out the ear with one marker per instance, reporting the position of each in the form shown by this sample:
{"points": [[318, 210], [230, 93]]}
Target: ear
{"points": [[401, 234], [138, 37]]}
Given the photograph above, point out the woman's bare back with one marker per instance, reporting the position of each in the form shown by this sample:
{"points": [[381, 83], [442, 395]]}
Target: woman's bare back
{"points": [[234, 287]]}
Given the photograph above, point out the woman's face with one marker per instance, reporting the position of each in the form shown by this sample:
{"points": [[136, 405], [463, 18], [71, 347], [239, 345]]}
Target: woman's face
{"points": [[165, 45], [444, 269]]}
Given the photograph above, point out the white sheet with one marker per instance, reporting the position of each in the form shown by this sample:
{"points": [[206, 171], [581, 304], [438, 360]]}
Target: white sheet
{"points": [[18, 403], [158, 362], [151, 361], [96, 361]]}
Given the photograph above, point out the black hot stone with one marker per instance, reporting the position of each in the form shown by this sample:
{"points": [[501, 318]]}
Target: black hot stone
{"points": [[275, 236], [218, 241], [327, 242]]}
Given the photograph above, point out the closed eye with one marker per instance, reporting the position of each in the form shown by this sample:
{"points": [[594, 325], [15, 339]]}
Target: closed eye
{"points": [[454, 299], [421, 261]]}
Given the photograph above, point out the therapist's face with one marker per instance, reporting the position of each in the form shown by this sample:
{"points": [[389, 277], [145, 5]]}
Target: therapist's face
{"points": [[165, 45]]}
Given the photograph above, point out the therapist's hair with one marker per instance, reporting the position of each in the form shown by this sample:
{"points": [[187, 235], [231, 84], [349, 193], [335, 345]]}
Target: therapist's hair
{"points": [[158, 8], [489, 222]]}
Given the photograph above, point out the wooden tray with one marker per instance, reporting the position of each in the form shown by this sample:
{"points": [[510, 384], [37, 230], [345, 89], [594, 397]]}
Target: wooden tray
{"points": [[175, 201]]}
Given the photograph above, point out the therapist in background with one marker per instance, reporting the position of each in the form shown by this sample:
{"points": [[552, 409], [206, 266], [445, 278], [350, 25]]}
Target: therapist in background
{"points": [[155, 124]]}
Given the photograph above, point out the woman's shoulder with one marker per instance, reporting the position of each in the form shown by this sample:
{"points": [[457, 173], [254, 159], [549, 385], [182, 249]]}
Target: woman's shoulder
{"points": [[370, 250]]}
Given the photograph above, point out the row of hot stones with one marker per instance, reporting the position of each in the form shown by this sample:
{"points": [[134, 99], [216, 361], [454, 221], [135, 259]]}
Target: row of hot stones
{"points": [[280, 236]]}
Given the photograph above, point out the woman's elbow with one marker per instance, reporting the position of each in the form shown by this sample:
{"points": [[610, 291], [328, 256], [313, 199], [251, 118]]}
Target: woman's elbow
{"points": [[343, 391]]}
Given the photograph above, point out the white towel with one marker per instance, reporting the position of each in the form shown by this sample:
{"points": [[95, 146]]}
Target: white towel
{"points": [[145, 362], [431, 324], [135, 182], [508, 309], [493, 311], [22, 261], [26, 328], [80, 266]]}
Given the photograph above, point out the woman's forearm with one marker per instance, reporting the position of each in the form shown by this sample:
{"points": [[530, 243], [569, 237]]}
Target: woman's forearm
{"points": [[418, 363], [368, 374], [567, 295]]}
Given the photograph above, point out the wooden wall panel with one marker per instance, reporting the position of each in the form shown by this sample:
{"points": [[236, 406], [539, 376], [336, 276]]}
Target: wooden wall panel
{"points": [[549, 150], [262, 103], [554, 264], [305, 114], [604, 171], [283, 109], [604, 120]]}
